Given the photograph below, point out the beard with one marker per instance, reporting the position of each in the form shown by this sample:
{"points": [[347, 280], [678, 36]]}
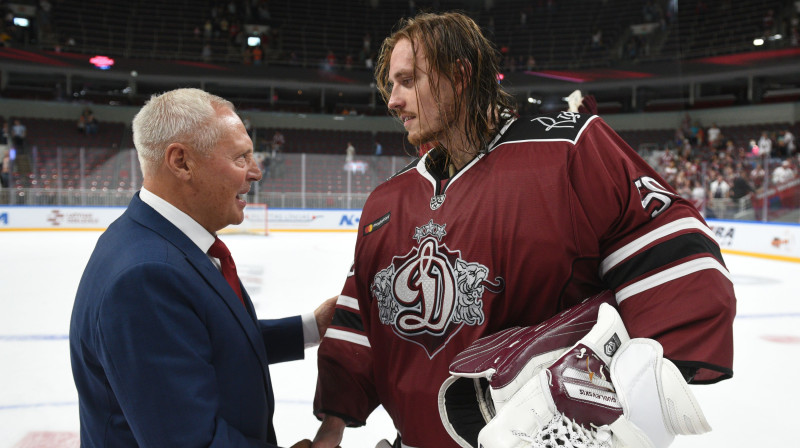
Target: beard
{"points": [[434, 128]]}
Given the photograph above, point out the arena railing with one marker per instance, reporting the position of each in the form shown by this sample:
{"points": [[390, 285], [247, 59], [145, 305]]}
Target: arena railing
{"points": [[79, 177]]}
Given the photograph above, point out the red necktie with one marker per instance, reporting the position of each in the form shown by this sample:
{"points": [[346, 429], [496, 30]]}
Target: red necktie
{"points": [[219, 250]]}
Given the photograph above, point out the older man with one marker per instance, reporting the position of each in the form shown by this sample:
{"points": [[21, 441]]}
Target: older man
{"points": [[165, 344]]}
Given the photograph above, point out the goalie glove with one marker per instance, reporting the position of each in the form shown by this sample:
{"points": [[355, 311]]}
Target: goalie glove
{"points": [[625, 396], [566, 402], [572, 402], [509, 359]]}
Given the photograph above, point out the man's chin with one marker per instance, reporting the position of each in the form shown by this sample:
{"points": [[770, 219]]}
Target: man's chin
{"points": [[418, 139]]}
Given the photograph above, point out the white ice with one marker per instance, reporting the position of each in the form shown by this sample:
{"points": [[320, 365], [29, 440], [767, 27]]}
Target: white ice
{"points": [[290, 273]]}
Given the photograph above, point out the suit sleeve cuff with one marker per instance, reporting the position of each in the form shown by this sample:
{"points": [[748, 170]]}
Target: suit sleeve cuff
{"points": [[310, 330]]}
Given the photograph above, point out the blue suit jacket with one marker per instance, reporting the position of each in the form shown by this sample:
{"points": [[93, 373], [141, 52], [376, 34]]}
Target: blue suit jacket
{"points": [[163, 352]]}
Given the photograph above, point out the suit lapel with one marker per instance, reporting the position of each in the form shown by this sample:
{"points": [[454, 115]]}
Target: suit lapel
{"points": [[148, 217]]}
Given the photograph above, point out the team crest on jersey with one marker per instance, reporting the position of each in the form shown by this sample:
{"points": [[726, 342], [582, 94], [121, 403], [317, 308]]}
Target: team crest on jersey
{"points": [[430, 293], [437, 201]]}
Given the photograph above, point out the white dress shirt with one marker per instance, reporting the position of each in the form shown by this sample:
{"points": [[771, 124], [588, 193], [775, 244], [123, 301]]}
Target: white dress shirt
{"points": [[200, 236]]}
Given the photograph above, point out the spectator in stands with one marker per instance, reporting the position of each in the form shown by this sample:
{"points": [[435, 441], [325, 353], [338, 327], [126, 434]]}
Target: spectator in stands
{"points": [[765, 145], [366, 43], [686, 125], [649, 12], [530, 63], [92, 126], [378, 148], [757, 175], [18, 135], [782, 174], [4, 138], [787, 144], [698, 196], [5, 173], [330, 60], [730, 148], [714, 135], [719, 187], [670, 171], [208, 29], [350, 153], [278, 140], [741, 185], [597, 39], [696, 134], [258, 55]]}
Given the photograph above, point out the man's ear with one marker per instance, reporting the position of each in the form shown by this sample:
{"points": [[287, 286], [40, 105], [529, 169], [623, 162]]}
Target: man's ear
{"points": [[177, 159], [462, 75]]}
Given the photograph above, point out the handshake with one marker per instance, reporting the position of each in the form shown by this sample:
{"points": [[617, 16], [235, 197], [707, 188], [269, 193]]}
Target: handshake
{"points": [[520, 388]]}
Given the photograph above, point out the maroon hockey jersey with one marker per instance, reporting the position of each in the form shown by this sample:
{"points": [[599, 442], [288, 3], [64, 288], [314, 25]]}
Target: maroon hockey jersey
{"points": [[559, 209]]}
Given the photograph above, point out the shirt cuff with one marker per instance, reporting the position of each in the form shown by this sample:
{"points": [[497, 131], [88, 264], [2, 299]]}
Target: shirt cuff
{"points": [[310, 330]]}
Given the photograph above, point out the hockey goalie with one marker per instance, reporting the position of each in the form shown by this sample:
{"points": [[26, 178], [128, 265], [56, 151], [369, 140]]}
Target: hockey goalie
{"points": [[522, 388]]}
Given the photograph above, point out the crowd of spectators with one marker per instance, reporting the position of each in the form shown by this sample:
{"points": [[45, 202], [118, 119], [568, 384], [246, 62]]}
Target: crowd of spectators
{"points": [[719, 175]]}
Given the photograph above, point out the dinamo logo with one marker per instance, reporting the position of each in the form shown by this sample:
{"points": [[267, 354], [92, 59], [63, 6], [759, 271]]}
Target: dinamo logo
{"points": [[430, 293]]}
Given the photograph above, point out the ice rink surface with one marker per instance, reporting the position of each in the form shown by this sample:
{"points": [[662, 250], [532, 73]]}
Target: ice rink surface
{"points": [[291, 273]]}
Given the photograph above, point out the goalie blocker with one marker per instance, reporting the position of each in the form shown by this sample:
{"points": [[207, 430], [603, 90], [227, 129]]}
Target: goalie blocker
{"points": [[515, 389]]}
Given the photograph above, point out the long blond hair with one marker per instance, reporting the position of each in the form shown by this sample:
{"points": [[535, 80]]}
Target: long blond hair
{"points": [[457, 50]]}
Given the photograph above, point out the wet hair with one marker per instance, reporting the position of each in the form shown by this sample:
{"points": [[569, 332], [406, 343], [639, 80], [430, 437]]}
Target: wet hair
{"points": [[451, 41], [187, 116]]}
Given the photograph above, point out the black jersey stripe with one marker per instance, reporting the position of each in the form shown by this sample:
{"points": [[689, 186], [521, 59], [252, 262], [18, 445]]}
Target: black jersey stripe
{"points": [[662, 254], [346, 318]]}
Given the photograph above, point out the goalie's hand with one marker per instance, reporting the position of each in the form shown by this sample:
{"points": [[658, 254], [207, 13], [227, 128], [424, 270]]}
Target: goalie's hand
{"points": [[330, 432]]}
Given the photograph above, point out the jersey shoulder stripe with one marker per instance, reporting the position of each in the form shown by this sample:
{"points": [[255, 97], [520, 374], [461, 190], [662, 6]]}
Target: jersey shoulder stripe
{"points": [[347, 336], [347, 320], [558, 126], [653, 259]]}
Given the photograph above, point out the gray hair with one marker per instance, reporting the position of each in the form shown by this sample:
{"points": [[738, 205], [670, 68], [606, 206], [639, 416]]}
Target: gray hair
{"points": [[179, 116]]}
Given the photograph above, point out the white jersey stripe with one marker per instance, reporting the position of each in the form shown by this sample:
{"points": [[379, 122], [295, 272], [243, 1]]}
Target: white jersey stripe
{"points": [[334, 333], [347, 301], [636, 245], [673, 273]]}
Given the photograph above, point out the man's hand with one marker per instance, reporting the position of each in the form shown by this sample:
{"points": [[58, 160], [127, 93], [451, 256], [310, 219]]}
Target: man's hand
{"points": [[305, 443], [324, 315], [330, 432]]}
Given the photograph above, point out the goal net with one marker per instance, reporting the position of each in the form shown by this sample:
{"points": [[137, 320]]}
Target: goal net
{"points": [[255, 222]]}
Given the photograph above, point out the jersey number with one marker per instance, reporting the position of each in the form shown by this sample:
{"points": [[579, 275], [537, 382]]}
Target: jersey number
{"points": [[650, 190]]}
